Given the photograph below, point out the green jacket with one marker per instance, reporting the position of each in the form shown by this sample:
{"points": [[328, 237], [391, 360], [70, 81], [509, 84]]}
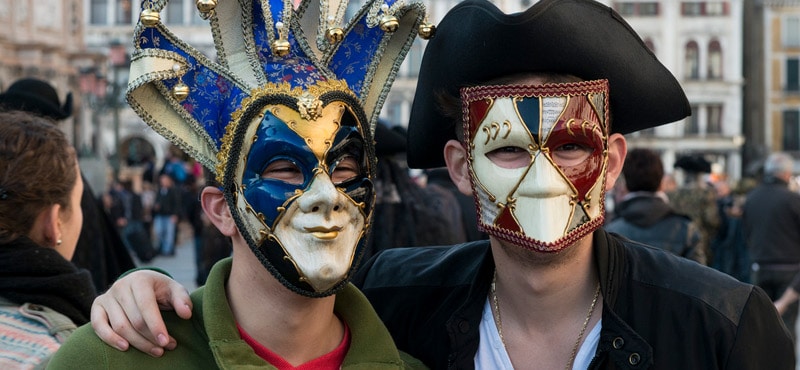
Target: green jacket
{"points": [[210, 338]]}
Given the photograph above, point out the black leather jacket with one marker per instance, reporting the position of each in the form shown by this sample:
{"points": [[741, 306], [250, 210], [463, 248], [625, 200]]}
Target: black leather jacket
{"points": [[659, 311]]}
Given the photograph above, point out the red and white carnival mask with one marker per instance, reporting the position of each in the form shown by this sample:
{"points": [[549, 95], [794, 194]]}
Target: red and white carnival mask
{"points": [[537, 160]]}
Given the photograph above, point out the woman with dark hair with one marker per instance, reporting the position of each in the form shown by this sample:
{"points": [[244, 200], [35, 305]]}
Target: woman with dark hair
{"points": [[43, 296]]}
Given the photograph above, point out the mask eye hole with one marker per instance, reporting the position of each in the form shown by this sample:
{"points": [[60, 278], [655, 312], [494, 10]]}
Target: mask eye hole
{"points": [[510, 157], [284, 170], [345, 168], [571, 154]]}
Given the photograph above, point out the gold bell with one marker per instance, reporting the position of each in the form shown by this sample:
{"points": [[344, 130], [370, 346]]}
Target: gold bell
{"points": [[427, 30], [389, 23], [280, 47], [205, 6], [149, 17], [180, 91], [334, 35]]}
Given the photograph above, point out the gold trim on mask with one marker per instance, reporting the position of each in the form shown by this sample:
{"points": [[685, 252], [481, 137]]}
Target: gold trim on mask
{"points": [[298, 93]]}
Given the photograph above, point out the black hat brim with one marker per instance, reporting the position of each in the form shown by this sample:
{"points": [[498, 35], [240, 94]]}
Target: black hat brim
{"points": [[476, 42]]}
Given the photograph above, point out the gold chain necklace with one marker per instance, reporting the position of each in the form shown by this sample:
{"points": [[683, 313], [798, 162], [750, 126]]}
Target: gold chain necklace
{"points": [[499, 321]]}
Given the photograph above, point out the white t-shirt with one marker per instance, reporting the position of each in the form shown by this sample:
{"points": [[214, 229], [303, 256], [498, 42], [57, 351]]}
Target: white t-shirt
{"points": [[492, 353]]}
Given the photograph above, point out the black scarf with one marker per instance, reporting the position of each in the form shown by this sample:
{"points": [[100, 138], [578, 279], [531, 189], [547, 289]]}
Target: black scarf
{"points": [[30, 273]]}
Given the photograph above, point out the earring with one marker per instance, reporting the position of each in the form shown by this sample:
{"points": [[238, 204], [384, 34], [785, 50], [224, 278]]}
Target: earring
{"points": [[58, 242]]}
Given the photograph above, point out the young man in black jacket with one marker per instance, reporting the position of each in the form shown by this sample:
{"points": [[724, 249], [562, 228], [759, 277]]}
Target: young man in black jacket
{"points": [[519, 108]]}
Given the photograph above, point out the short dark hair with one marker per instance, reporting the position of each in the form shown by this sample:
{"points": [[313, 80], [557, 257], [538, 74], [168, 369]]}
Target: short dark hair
{"points": [[643, 170]]}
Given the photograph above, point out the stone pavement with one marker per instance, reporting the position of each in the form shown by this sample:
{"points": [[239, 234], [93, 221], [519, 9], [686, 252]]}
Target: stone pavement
{"points": [[181, 266]]}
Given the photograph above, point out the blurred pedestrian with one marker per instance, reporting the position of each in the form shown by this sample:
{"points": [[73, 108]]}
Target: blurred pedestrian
{"points": [[771, 220], [408, 214], [644, 216], [167, 210], [729, 247], [43, 296], [100, 248], [128, 213], [696, 198]]}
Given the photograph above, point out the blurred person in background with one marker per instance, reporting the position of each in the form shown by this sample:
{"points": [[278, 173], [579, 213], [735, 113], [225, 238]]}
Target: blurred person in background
{"points": [[100, 248], [729, 247], [407, 214], [771, 220], [167, 211], [644, 216], [696, 198], [43, 296]]}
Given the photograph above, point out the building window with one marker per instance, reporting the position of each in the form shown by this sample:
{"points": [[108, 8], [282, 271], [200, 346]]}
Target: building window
{"points": [[714, 112], [715, 8], [175, 12], [692, 63], [793, 75], [124, 12], [791, 35], [791, 130], [99, 12], [692, 8], [704, 8], [692, 127], [714, 60], [629, 8]]}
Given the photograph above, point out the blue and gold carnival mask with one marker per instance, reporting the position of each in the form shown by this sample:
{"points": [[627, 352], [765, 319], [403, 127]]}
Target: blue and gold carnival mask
{"points": [[284, 117]]}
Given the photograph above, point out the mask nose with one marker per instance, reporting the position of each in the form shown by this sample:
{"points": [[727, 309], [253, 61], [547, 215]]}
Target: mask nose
{"points": [[321, 196], [543, 180]]}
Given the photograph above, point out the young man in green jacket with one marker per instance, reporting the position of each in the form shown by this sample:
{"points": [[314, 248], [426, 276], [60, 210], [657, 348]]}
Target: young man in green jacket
{"points": [[284, 119]]}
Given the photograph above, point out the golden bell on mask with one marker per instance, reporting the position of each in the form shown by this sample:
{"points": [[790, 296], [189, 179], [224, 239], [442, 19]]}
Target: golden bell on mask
{"points": [[149, 17], [427, 30], [180, 91], [205, 6], [389, 23], [280, 47], [334, 34]]}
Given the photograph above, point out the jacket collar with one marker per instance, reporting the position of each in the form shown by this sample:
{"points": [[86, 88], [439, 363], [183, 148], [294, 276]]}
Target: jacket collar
{"points": [[371, 345]]}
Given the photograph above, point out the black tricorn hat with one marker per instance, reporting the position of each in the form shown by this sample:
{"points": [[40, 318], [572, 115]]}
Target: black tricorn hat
{"points": [[693, 164], [36, 96], [475, 42]]}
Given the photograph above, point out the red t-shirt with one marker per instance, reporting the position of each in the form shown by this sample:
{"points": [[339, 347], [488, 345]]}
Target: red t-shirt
{"points": [[332, 360]]}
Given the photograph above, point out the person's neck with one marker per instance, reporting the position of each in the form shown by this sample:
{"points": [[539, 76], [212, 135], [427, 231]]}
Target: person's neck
{"points": [[295, 327], [544, 299]]}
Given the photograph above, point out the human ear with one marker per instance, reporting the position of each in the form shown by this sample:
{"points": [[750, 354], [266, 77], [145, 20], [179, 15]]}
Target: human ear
{"points": [[46, 230], [455, 155], [217, 211], [617, 150]]}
